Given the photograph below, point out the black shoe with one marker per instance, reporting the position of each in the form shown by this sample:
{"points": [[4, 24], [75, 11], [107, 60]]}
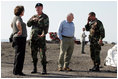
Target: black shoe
{"points": [[21, 74], [92, 68], [44, 70], [83, 53], [43, 73], [34, 71], [95, 69], [35, 66], [15, 73]]}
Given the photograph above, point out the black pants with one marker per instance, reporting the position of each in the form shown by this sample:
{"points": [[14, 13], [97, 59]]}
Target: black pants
{"points": [[19, 44]]}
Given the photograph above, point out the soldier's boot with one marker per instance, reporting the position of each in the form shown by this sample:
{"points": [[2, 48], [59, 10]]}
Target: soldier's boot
{"points": [[95, 68], [35, 67], [83, 53], [44, 71]]}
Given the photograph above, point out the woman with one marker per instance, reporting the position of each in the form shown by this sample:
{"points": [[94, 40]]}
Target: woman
{"points": [[19, 40]]}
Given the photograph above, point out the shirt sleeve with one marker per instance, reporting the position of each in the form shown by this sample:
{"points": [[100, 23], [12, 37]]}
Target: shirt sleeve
{"points": [[102, 31], [31, 21], [60, 31], [19, 19], [87, 27], [46, 24]]}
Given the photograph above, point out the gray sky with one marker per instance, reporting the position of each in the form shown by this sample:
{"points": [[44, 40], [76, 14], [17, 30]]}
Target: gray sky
{"points": [[106, 11]]}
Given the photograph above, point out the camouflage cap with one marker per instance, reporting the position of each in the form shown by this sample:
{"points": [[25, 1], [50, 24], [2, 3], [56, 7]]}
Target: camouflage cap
{"points": [[39, 4]]}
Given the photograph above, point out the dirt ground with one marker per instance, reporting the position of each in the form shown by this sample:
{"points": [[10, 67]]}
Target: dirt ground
{"points": [[80, 63]]}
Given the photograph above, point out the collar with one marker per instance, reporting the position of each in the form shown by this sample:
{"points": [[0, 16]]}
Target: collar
{"points": [[40, 15], [68, 22]]}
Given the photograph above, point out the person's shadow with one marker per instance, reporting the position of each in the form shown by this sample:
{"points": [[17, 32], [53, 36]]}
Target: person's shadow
{"points": [[52, 75], [101, 71], [61, 75]]}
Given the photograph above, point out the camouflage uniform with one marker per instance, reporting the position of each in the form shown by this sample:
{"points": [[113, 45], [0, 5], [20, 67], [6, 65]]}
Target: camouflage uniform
{"points": [[39, 27], [96, 33]]}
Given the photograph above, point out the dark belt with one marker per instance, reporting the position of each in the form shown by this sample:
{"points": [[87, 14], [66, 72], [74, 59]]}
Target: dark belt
{"points": [[66, 36]]}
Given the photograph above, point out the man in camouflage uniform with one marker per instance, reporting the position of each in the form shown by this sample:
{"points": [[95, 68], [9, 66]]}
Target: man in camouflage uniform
{"points": [[97, 33], [40, 24]]}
